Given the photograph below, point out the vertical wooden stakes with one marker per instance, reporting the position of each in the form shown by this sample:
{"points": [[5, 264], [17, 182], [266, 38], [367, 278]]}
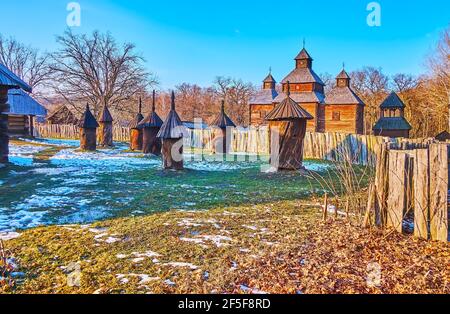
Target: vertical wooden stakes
{"points": [[421, 193], [438, 192]]}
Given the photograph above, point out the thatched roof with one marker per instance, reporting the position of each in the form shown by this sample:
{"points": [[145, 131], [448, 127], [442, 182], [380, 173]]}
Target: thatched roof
{"points": [[138, 118], [222, 120], [88, 121], [288, 109], [8, 78], [392, 102], [392, 123], [172, 127], [152, 120], [105, 115]]}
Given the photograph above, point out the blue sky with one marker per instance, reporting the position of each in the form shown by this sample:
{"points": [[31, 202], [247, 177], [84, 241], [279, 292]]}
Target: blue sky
{"points": [[194, 41]]}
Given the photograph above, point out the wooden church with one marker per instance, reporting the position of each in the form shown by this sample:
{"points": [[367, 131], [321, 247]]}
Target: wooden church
{"points": [[339, 111]]}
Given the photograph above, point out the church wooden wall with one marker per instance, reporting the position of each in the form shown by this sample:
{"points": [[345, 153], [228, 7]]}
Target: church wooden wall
{"points": [[258, 113], [313, 109], [347, 118]]}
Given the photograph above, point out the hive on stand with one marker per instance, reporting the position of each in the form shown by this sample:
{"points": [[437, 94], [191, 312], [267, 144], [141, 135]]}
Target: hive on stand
{"points": [[287, 123], [150, 127], [220, 125], [8, 80], [171, 134], [88, 131], [105, 137], [136, 132]]}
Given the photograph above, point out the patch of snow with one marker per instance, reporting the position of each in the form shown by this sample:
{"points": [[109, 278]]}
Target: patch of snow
{"points": [[182, 265], [251, 290], [5, 236]]}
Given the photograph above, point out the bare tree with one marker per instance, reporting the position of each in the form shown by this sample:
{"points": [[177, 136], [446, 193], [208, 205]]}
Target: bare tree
{"points": [[97, 70], [26, 62], [329, 81], [237, 94]]}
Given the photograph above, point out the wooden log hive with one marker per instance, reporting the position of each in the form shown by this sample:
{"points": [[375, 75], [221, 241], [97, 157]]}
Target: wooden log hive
{"points": [[136, 132], [150, 127], [288, 122], [105, 136], [88, 131], [222, 125], [171, 134]]}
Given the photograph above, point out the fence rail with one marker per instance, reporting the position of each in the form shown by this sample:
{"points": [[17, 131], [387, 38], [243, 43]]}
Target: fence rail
{"points": [[360, 149]]}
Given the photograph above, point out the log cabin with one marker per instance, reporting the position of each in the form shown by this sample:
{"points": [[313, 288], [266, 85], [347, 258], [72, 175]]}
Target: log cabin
{"points": [[392, 122], [63, 115], [339, 111], [23, 112]]}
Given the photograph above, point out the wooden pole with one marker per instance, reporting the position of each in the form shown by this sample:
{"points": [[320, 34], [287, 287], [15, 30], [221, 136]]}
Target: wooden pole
{"points": [[397, 192], [381, 184], [439, 192], [347, 208], [325, 210], [336, 207], [4, 137], [370, 203]]}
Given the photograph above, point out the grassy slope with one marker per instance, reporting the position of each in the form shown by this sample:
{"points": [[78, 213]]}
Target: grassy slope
{"points": [[277, 248]]}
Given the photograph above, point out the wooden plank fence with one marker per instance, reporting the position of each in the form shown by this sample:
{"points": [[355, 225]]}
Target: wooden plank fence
{"points": [[412, 182], [358, 149]]}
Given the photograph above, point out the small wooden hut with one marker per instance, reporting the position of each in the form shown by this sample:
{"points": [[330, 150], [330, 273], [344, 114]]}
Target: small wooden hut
{"points": [[288, 120], [171, 134], [88, 131], [392, 122], [105, 137], [62, 115], [136, 132], [220, 125], [443, 136], [8, 81], [150, 126]]}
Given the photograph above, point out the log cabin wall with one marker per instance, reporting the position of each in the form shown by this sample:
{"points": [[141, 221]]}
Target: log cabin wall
{"points": [[313, 109], [392, 133], [18, 125]]}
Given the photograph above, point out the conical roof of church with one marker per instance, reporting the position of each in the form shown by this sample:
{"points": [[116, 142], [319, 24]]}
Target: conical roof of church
{"points": [[392, 102], [87, 120], [222, 120], [172, 127], [152, 120], [303, 55], [269, 79], [105, 115], [288, 109], [343, 75], [138, 118]]}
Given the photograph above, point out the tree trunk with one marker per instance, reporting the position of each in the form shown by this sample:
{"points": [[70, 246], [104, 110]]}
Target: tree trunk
{"points": [[4, 137], [150, 143], [136, 139], [88, 139], [172, 157]]}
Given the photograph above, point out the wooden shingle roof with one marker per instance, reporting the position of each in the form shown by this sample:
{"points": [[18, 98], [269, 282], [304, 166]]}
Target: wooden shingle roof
{"points": [[105, 115], [87, 120], [303, 55], [152, 120], [343, 75], [392, 123], [172, 127], [8, 78], [302, 75], [392, 102], [269, 79], [288, 109], [222, 120], [138, 118]]}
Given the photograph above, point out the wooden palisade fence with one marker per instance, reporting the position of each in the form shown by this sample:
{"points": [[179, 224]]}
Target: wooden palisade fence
{"points": [[360, 149], [413, 181]]}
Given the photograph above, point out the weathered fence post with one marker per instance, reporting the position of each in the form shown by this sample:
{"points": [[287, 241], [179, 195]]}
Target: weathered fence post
{"points": [[397, 191], [370, 203], [421, 188], [325, 210], [438, 192], [381, 184]]}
